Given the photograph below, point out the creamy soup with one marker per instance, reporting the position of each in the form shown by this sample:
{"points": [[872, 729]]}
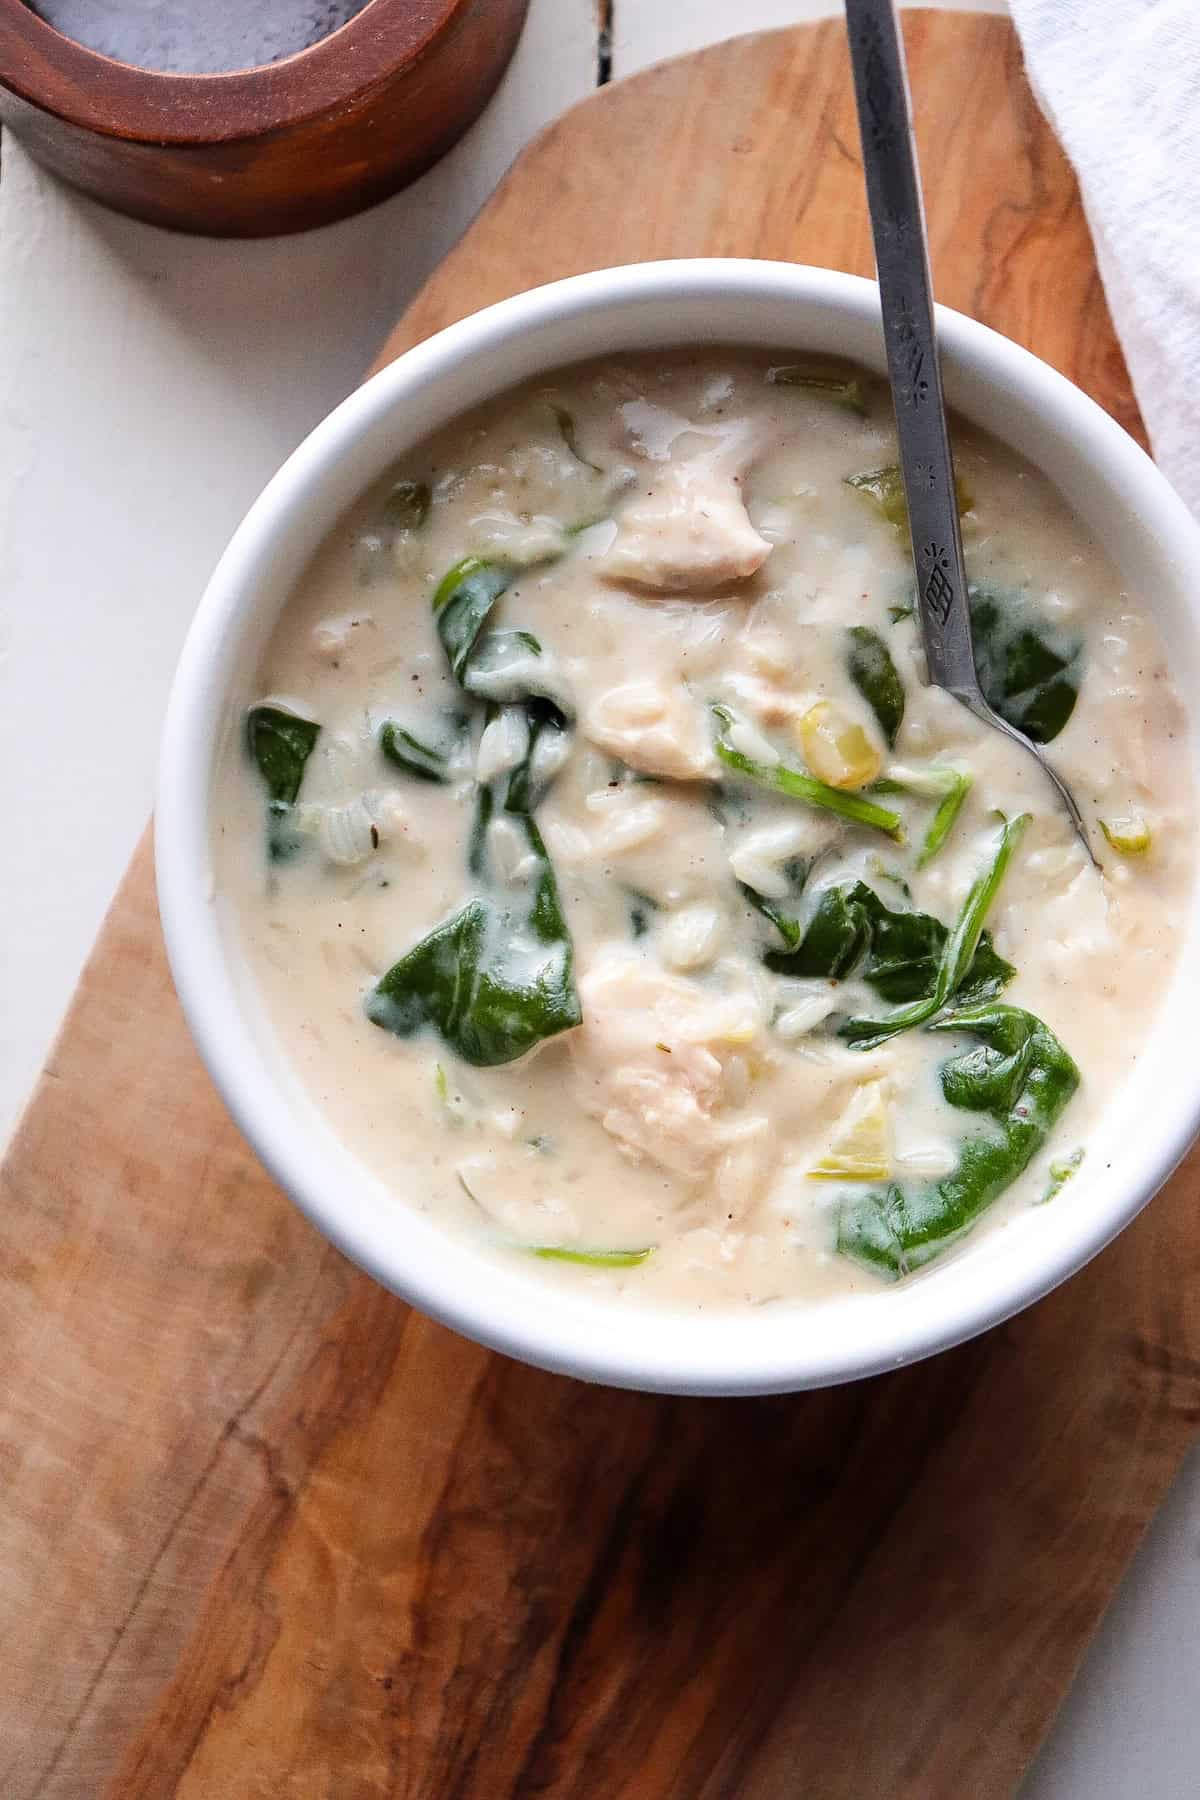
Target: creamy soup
{"points": [[621, 892]]}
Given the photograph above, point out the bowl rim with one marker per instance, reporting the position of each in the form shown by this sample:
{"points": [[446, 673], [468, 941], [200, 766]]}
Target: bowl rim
{"points": [[551, 1336], [118, 100]]}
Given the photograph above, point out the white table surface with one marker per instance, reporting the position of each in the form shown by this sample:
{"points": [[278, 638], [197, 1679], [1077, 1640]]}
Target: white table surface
{"points": [[149, 385]]}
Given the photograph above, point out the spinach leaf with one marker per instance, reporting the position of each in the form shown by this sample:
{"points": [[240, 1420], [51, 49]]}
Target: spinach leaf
{"points": [[893, 877], [896, 613], [507, 667], [280, 743], [988, 975], [835, 939], [799, 786], [491, 985], [954, 969], [641, 908], [567, 431], [949, 787], [1029, 672], [904, 954], [462, 601], [948, 809], [407, 505], [428, 762], [843, 390], [546, 726], [851, 931], [499, 666], [789, 929], [444, 981], [885, 488], [795, 872], [498, 977], [871, 669], [1021, 1078]]}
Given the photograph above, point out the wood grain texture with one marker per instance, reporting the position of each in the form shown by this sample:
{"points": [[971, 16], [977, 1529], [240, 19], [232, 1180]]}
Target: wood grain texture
{"points": [[284, 147], [267, 1533]]}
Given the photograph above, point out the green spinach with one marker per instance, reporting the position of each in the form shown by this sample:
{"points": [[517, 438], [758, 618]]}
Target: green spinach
{"points": [[280, 743], [954, 973], [871, 669], [407, 505], [958, 786], [462, 601], [799, 786], [835, 939], [1020, 1078], [641, 909], [893, 877], [843, 390], [498, 977], [1029, 672], [508, 667], [570, 437], [899, 953], [427, 762], [796, 873], [493, 665]]}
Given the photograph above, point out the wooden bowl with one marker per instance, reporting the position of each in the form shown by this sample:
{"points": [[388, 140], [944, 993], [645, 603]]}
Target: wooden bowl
{"points": [[280, 148]]}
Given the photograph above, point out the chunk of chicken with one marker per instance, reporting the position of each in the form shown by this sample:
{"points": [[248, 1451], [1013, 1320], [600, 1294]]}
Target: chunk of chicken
{"points": [[689, 533], [656, 728], [661, 1063]]}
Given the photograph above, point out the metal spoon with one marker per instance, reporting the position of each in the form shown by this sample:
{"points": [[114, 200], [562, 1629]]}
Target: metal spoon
{"points": [[906, 293]]}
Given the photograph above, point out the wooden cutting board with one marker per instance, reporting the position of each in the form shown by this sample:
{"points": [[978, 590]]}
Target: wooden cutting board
{"points": [[267, 1533]]}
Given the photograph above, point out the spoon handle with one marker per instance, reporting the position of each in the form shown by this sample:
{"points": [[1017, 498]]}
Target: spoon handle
{"points": [[902, 265]]}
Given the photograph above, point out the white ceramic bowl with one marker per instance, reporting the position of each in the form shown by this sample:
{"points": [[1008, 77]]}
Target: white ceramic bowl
{"points": [[1104, 476]]}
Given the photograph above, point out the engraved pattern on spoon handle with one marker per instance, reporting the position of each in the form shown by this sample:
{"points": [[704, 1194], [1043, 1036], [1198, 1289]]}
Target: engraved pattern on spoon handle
{"points": [[897, 226]]}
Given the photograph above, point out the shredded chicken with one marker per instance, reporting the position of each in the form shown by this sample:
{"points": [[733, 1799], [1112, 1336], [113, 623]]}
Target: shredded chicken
{"points": [[657, 729], [689, 533], [660, 1062]]}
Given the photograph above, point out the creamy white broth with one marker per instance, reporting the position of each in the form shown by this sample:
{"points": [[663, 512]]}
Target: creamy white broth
{"points": [[690, 538]]}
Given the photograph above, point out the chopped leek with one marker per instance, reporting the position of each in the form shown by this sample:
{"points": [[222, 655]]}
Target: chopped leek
{"points": [[885, 487], [1060, 1173], [1129, 836], [836, 748], [594, 1259], [860, 1149], [843, 390]]}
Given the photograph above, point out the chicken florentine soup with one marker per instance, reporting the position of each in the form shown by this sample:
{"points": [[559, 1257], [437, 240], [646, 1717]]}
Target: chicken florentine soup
{"points": [[621, 892]]}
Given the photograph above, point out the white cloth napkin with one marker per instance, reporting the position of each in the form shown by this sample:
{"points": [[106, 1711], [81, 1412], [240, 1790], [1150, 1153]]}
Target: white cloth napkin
{"points": [[1120, 82]]}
